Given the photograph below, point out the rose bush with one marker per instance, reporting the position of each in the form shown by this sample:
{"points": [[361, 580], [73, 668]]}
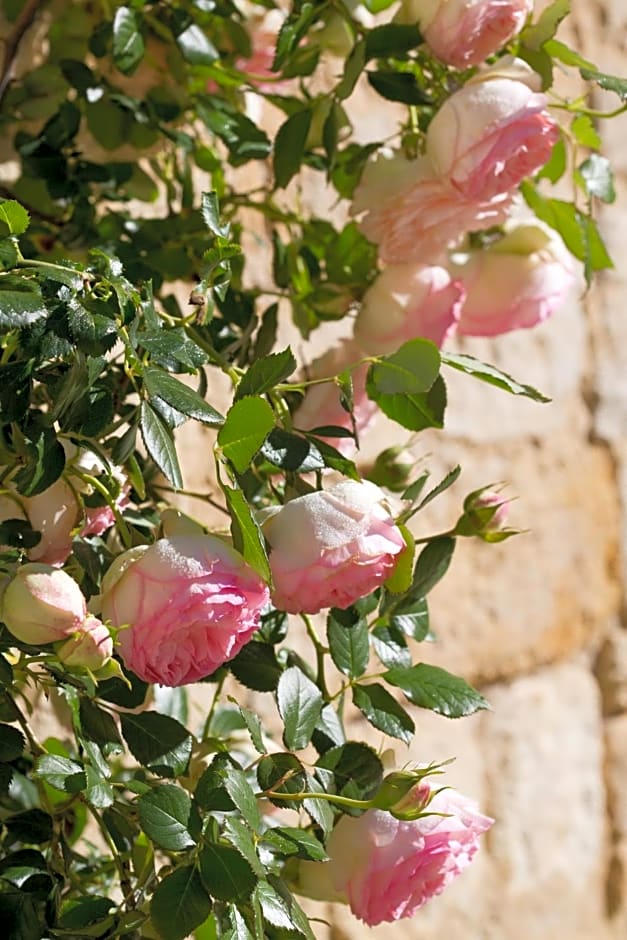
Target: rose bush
{"points": [[187, 604]]}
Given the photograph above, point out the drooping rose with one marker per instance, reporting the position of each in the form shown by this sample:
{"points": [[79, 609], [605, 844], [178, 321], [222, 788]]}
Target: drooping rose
{"points": [[189, 603], [491, 134], [386, 868], [321, 406], [514, 283], [413, 215], [90, 647], [407, 301], [42, 604], [331, 547], [465, 32]]}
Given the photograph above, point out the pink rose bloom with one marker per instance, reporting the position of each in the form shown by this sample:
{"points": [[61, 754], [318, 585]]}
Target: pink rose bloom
{"points": [[91, 647], [189, 604], [413, 215], [53, 513], [465, 32], [386, 868], [321, 406], [491, 134], [42, 604], [331, 547], [407, 301], [515, 283]]}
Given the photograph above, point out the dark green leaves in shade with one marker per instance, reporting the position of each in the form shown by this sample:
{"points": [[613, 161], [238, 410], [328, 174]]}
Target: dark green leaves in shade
{"points": [[290, 146], [225, 873], [180, 903], [159, 443], [164, 816], [383, 711], [158, 742]]}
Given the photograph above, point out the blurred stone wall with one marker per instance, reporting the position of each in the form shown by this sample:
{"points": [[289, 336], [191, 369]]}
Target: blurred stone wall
{"points": [[538, 622]]}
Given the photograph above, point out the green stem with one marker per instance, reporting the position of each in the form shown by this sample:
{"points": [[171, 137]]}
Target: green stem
{"points": [[212, 708], [94, 482], [589, 112], [329, 797], [123, 872], [321, 652]]}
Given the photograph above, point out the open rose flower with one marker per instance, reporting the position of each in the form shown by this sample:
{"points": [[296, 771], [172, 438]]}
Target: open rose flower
{"points": [[407, 301], [331, 547], [386, 868], [491, 134], [465, 32], [413, 214], [188, 603], [321, 406], [516, 282], [42, 604]]}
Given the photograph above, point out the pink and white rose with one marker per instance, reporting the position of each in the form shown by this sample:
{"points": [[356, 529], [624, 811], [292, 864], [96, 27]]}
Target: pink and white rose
{"points": [[188, 604], [413, 214], [516, 282], [491, 134], [465, 32], [407, 301], [42, 604], [331, 547], [386, 868], [321, 406]]}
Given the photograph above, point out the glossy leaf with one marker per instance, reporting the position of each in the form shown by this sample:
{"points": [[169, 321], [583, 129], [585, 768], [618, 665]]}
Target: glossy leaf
{"points": [[248, 422], [437, 690], [157, 742], [164, 816], [300, 703], [383, 711], [180, 903]]}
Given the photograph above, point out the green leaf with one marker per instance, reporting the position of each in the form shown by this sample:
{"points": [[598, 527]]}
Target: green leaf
{"points": [[82, 912], [392, 39], [292, 31], [265, 373], [352, 70], [390, 646], [12, 743], [412, 369], [14, 219], [257, 667], [179, 904], [348, 643], [292, 452], [585, 133], [398, 86], [289, 841], [128, 42], [556, 166], [196, 47], [247, 536], [411, 616], [431, 565], [383, 711], [414, 412], [282, 910], [248, 422], [159, 443], [9, 255], [164, 816], [545, 28], [60, 773], [98, 791], [18, 915], [491, 375], [437, 690], [289, 146], [210, 211], [225, 873], [99, 726], [32, 827], [563, 53], [608, 82], [596, 173], [162, 385], [20, 308], [253, 723], [158, 742], [281, 773], [442, 486], [241, 838], [356, 768], [300, 703], [243, 796]]}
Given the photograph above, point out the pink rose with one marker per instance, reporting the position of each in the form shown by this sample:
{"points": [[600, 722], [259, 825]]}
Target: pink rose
{"points": [[386, 868], [491, 134], [413, 215], [516, 282], [53, 513], [331, 547], [407, 301], [321, 405], [42, 604], [91, 647], [189, 603], [465, 32]]}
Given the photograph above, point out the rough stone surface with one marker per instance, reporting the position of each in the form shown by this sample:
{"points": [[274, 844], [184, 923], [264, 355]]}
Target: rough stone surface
{"points": [[611, 672]]}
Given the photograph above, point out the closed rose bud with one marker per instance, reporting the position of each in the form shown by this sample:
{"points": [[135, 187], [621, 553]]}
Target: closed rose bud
{"points": [[42, 604], [465, 32], [331, 547], [514, 283], [491, 134], [408, 301], [91, 647], [188, 604], [386, 868], [54, 513], [392, 468]]}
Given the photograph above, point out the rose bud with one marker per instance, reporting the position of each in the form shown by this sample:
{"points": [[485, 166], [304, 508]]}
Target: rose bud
{"points": [[54, 513], [465, 32], [386, 868], [91, 647], [331, 547], [407, 301], [188, 604], [42, 604]]}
